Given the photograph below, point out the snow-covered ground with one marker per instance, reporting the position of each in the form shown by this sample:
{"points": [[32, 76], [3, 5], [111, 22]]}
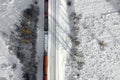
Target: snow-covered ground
{"points": [[99, 40], [11, 67], [40, 41]]}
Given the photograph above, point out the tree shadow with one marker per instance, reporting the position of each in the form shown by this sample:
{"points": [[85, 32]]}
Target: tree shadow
{"points": [[115, 4], [66, 9], [70, 9]]}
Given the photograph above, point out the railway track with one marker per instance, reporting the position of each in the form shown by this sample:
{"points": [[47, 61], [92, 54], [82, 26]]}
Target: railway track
{"points": [[52, 70]]}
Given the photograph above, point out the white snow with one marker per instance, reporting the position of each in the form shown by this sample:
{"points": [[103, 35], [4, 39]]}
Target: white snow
{"points": [[40, 41], [99, 36], [7, 61], [10, 13]]}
